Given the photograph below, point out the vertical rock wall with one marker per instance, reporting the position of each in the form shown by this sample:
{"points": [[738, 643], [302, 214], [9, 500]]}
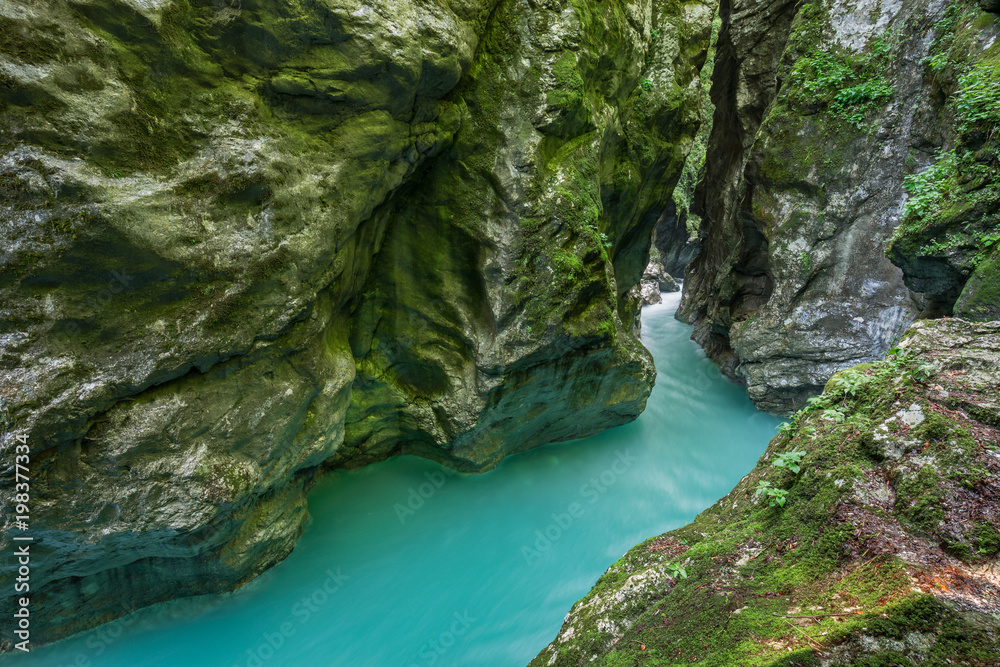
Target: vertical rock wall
{"points": [[822, 113], [244, 241]]}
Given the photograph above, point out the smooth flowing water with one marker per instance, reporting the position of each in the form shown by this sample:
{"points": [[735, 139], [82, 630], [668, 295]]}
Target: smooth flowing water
{"points": [[406, 563]]}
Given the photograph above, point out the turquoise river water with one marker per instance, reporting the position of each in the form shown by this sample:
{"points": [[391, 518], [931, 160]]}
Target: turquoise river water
{"points": [[407, 564]]}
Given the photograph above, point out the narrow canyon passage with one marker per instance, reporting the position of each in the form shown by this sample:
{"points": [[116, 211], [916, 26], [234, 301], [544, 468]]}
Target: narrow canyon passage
{"points": [[406, 563]]}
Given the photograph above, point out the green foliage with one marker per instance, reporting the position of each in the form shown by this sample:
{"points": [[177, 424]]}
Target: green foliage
{"points": [[850, 383], [928, 188], [677, 571], [806, 260], [904, 363], [776, 497], [646, 85], [695, 163], [814, 403], [834, 414], [789, 460], [977, 102], [951, 211], [848, 85], [924, 371]]}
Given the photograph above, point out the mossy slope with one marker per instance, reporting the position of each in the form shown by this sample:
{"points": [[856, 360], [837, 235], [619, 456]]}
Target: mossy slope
{"points": [[883, 549]]}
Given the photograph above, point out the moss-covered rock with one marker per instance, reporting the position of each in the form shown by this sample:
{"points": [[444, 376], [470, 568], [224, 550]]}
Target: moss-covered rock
{"points": [[880, 549], [827, 113], [245, 241], [951, 228]]}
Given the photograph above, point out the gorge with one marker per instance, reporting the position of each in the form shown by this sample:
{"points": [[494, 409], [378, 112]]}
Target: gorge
{"points": [[253, 247], [411, 543]]}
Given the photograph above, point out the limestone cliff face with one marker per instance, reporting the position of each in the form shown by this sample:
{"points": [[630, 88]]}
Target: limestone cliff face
{"points": [[823, 111], [246, 240], [947, 244]]}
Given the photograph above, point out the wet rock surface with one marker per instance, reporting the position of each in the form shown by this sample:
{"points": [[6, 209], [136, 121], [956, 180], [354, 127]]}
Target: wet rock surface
{"points": [[248, 241]]}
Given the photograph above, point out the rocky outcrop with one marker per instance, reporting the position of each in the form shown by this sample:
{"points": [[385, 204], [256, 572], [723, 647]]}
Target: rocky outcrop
{"points": [[823, 110], [948, 244], [654, 280], [248, 240], [675, 237], [868, 533], [676, 246], [656, 274]]}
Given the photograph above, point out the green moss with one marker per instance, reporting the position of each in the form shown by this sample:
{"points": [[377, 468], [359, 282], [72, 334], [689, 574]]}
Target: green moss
{"points": [[569, 84], [787, 159], [766, 584], [956, 640], [951, 210], [980, 298], [919, 500], [695, 163], [987, 540]]}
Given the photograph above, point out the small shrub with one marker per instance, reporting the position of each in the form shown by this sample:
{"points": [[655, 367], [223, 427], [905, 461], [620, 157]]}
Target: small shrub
{"points": [[789, 460], [927, 189], [850, 383], [834, 414], [977, 103], [776, 497]]}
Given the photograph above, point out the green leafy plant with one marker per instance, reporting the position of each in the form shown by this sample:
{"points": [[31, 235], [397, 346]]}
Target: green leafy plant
{"points": [[776, 497], [898, 355], [646, 85], [923, 371], [677, 571], [814, 403], [805, 259], [789, 460], [834, 414], [928, 188], [977, 103], [850, 383], [848, 85], [784, 428]]}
